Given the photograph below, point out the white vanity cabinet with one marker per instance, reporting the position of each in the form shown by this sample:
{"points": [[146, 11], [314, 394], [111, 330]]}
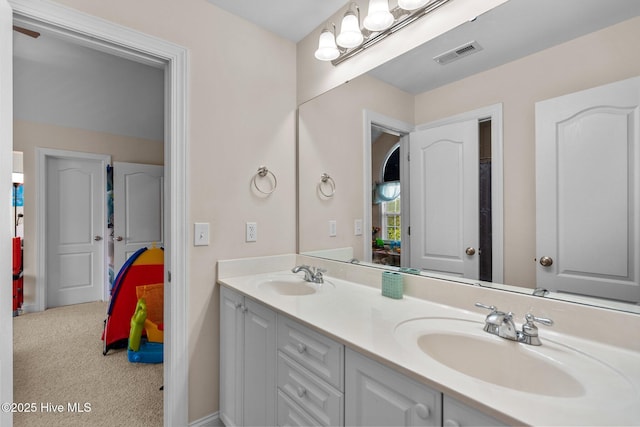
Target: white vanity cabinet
{"points": [[379, 396], [310, 376], [247, 361], [457, 414]]}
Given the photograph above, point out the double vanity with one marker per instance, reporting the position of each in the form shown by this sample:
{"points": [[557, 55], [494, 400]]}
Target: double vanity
{"points": [[301, 349]]}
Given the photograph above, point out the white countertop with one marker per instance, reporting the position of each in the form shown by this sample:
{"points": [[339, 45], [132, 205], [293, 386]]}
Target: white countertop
{"points": [[361, 318]]}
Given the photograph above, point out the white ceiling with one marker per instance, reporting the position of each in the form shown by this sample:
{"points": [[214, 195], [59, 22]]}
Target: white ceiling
{"points": [[291, 19]]}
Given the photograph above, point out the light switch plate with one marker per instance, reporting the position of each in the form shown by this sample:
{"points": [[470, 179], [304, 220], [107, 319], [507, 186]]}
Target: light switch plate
{"points": [[201, 234], [357, 227], [332, 228]]}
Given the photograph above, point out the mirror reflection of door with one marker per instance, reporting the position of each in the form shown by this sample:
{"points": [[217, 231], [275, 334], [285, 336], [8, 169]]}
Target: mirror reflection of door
{"points": [[587, 199], [451, 199]]}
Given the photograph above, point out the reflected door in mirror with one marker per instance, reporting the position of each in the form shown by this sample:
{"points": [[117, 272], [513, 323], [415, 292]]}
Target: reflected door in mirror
{"points": [[444, 199], [588, 192]]}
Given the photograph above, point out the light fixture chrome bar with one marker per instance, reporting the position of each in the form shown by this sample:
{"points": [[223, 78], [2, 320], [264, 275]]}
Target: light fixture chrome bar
{"points": [[372, 38]]}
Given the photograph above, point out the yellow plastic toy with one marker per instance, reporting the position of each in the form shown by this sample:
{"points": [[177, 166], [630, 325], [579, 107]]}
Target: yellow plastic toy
{"points": [[137, 324]]}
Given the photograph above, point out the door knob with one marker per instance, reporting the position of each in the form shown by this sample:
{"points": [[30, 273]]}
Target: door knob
{"points": [[97, 238], [546, 261], [470, 251], [119, 238]]}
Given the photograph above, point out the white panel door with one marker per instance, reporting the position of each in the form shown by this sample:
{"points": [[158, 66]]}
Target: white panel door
{"points": [[138, 207], [588, 192], [6, 145], [75, 219], [444, 199]]}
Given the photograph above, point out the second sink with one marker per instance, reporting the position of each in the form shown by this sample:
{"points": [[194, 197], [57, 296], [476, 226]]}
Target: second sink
{"points": [[552, 369]]}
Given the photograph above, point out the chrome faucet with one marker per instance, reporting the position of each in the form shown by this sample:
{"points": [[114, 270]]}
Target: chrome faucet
{"points": [[501, 324], [311, 274]]}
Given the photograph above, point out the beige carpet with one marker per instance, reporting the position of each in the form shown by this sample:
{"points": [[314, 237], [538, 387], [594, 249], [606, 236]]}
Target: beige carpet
{"points": [[58, 360]]}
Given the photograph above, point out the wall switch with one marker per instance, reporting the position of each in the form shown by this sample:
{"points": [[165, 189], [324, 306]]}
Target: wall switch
{"points": [[357, 227], [251, 232], [201, 234], [332, 228]]}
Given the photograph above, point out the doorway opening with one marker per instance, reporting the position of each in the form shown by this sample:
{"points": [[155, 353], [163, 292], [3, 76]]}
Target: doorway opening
{"points": [[110, 37], [485, 249]]}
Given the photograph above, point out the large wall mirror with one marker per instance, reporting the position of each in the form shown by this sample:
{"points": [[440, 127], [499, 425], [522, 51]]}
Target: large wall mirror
{"points": [[497, 70]]}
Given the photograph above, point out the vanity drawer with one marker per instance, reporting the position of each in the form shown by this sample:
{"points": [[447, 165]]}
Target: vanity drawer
{"points": [[320, 400], [319, 354], [290, 414]]}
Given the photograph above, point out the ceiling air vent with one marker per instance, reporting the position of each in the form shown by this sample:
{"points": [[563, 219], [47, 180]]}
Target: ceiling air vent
{"points": [[457, 53]]}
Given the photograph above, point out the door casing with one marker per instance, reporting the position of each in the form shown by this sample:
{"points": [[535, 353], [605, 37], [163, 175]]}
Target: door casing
{"points": [[122, 41]]}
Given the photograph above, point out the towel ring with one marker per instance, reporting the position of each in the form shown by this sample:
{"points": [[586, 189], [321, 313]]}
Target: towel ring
{"points": [[263, 172], [327, 181]]}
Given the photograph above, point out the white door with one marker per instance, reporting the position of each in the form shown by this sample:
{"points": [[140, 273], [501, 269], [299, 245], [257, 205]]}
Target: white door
{"points": [[588, 192], [6, 145], [75, 222], [444, 199], [138, 206]]}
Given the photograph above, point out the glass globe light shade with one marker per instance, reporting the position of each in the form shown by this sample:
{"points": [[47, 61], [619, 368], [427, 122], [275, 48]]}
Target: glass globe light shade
{"points": [[411, 4], [378, 18], [327, 49], [350, 35]]}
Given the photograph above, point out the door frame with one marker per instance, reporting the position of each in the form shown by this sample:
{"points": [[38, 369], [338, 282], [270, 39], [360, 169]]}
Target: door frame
{"points": [[125, 42], [372, 118], [493, 112], [42, 156]]}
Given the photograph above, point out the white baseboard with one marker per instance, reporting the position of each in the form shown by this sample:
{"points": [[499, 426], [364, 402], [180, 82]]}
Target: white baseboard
{"points": [[212, 420]]}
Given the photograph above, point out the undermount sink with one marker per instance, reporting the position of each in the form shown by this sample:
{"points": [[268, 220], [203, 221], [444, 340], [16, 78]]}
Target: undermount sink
{"points": [[292, 285], [551, 370]]}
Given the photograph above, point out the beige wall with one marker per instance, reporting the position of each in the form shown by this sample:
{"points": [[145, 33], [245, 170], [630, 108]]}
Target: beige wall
{"points": [[592, 60], [331, 140], [27, 136], [241, 115]]}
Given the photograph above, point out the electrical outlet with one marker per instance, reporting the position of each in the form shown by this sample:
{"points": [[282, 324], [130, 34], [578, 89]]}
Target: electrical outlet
{"points": [[357, 227], [200, 234], [252, 232], [332, 228]]}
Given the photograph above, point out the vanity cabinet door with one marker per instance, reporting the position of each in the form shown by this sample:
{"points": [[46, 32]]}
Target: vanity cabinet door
{"points": [[247, 361], [457, 414], [231, 349], [376, 395]]}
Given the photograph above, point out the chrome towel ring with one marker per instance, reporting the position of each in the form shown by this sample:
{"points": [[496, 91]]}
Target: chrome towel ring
{"points": [[262, 173], [327, 182]]}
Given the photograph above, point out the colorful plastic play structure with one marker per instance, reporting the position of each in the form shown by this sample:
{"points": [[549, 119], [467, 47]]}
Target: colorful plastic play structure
{"points": [[135, 314], [141, 349]]}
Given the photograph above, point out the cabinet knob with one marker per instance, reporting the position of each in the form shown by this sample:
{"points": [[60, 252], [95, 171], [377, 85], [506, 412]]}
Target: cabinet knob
{"points": [[422, 411], [451, 423], [301, 348], [119, 239], [301, 392], [244, 309], [470, 251], [238, 305]]}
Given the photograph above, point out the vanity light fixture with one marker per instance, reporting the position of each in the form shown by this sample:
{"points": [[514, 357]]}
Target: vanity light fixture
{"points": [[327, 48], [350, 34], [412, 4], [379, 23], [379, 17]]}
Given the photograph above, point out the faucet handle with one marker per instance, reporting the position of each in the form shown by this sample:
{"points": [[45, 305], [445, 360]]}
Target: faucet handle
{"points": [[530, 318], [529, 333], [488, 307]]}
